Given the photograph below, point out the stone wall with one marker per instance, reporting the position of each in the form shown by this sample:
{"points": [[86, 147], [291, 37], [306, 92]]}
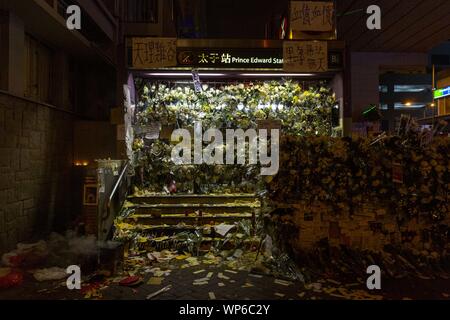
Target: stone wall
{"points": [[36, 143]]}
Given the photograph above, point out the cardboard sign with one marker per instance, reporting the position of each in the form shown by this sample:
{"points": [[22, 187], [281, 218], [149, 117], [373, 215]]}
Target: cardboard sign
{"points": [[149, 53], [312, 16], [305, 56]]}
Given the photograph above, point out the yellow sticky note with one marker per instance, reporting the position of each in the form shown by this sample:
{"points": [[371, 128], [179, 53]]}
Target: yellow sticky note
{"points": [[155, 280]]}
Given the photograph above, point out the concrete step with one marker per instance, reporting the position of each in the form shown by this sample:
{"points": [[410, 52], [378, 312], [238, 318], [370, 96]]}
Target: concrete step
{"points": [[185, 209], [192, 199], [174, 219]]}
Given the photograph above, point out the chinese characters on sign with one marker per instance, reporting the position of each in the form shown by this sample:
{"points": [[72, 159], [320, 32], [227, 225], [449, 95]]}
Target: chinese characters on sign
{"points": [[154, 52], [312, 16], [231, 58], [305, 56]]}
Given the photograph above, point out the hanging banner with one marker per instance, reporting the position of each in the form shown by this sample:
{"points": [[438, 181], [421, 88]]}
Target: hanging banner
{"points": [[196, 80], [151, 53], [305, 56], [312, 16]]}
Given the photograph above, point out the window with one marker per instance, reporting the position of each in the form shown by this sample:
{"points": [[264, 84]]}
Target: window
{"points": [[412, 88], [383, 88], [141, 11], [38, 70], [401, 105]]}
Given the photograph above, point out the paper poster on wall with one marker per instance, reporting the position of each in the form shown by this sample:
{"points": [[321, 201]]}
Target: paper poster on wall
{"points": [[305, 56], [312, 16], [152, 130], [154, 52], [397, 173], [90, 195]]}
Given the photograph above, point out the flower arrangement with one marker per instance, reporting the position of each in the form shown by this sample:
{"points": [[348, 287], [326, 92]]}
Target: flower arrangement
{"points": [[300, 113], [345, 173]]}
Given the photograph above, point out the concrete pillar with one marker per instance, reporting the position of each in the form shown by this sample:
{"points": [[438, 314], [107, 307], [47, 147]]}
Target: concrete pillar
{"points": [[61, 81], [16, 55]]}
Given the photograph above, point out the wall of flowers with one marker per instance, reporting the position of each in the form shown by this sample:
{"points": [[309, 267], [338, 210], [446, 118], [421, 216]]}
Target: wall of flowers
{"points": [[403, 174], [302, 112]]}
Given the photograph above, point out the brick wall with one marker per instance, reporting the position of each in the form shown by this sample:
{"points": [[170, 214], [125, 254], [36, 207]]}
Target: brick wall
{"points": [[36, 144]]}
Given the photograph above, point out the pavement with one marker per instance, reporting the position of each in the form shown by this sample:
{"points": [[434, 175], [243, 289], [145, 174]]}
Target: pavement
{"points": [[225, 284]]}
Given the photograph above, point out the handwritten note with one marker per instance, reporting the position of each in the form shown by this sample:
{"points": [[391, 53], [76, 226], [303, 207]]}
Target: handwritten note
{"points": [[305, 56], [154, 52], [312, 16]]}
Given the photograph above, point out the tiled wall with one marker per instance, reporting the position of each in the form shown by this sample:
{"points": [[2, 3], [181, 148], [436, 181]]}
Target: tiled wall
{"points": [[36, 144]]}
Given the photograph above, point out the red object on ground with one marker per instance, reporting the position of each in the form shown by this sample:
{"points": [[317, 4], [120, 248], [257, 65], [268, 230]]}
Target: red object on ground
{"points": [[12, 279], [130, 281]]}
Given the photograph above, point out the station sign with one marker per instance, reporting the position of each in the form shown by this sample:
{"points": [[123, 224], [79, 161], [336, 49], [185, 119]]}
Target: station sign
{"points": [[237, 58], [156, 53]]}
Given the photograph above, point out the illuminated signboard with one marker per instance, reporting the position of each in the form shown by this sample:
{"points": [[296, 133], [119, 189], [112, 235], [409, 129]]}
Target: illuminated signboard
{"points": [[219, 58], [441, 93], [242, 58], [230, 58]]}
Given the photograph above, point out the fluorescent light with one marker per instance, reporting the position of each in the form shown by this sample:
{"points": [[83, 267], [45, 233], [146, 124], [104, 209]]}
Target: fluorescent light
{"points": [[184, 74], [277, 74]]}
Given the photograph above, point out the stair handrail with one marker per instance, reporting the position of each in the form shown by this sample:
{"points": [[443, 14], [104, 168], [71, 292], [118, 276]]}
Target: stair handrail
{"points": [[114, 190]]}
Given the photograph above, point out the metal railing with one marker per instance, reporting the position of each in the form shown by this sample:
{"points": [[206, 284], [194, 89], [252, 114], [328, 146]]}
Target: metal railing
{"points": [[119, 193]]}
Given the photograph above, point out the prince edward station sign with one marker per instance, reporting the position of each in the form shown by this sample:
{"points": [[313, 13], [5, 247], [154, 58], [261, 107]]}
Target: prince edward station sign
{"points": [[149, 53]]}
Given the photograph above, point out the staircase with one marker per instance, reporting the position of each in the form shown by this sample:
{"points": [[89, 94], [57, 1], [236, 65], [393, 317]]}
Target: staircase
{"points": [[162, 217]]}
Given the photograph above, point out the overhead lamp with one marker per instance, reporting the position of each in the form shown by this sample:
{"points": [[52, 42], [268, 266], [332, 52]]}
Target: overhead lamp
{"points": [[277, 74], [183, 74]]}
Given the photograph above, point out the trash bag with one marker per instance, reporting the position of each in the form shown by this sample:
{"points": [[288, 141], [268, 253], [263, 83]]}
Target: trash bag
{"points": [[26, 255], [10, 278], [48, 274]]}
